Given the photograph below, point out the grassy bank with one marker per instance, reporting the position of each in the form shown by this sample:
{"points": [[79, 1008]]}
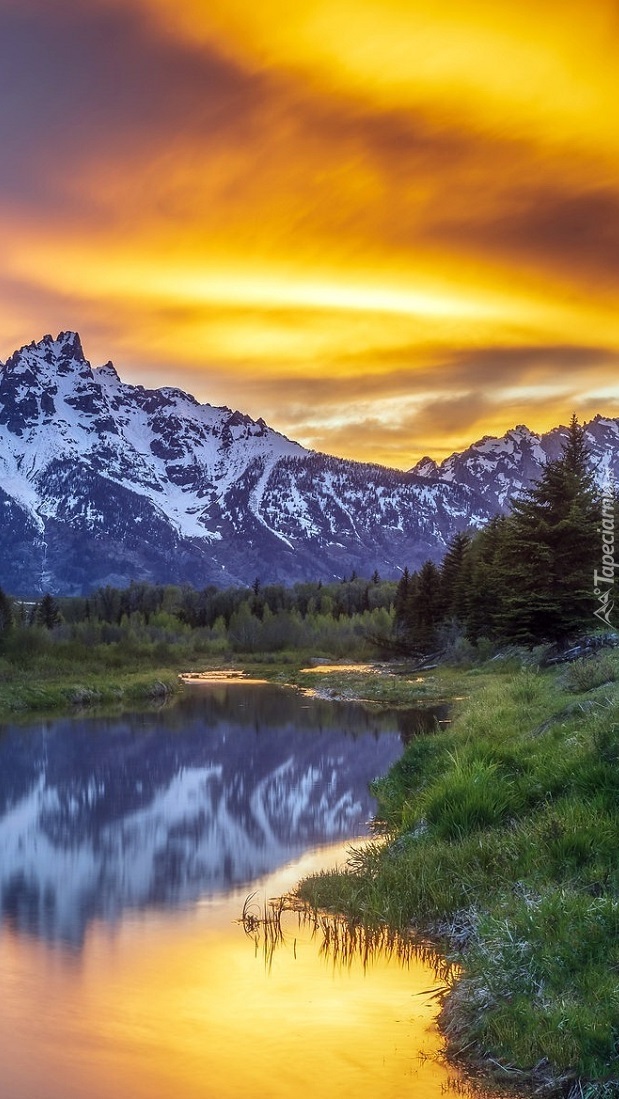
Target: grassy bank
{"points": [[44, 674], [25, 694], [40, 671], [392, 684], [47, 674], [503, 846], [100, 662]]}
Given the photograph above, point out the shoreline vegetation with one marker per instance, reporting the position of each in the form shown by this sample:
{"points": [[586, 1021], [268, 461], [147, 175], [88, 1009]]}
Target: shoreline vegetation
{"points": [[500, 845], [121, 645]]}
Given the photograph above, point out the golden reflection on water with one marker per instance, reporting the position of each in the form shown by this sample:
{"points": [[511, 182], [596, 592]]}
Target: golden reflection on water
{"points": [[182, 1006], [323, 668]]}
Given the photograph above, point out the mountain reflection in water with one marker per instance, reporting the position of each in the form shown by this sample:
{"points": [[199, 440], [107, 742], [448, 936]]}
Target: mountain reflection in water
{"points": [[103, 814]]}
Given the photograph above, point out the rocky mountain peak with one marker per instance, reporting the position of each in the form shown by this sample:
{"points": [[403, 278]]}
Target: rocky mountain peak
{"points": [[107, 372], [501, 468], [426, 467], [62, 353]]}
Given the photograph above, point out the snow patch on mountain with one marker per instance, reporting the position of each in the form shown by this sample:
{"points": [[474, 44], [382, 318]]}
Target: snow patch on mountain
{"points": [[502, 468]]}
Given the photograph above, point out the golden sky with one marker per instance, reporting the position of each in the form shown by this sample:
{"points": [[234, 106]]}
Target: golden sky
{"points": [[386, 226]]}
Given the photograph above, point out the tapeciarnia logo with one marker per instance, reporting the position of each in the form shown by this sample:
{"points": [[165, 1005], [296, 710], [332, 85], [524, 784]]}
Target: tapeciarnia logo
{"points": [[604, 580]]}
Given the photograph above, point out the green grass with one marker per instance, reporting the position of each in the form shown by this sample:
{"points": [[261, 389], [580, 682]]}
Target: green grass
{"points": [[100, 662], [28, 692], [39, 673], [389, 684], [502, 844]]}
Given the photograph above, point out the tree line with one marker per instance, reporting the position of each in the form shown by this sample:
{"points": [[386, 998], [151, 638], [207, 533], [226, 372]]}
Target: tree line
{"points": [[338, 618]]}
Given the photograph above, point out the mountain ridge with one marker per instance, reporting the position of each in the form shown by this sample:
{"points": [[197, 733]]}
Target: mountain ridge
{"points": [[102, 482], [517, 457]]}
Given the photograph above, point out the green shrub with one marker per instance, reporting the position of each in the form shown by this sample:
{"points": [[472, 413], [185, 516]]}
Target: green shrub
{"points": [[591, 671]]}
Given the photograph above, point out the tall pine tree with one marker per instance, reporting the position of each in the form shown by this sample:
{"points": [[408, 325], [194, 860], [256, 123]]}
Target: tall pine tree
{"points": [[546, 565], [453, 585], [400, 606], [485, 588], [6, 612], [423, 610], [48, 612]]}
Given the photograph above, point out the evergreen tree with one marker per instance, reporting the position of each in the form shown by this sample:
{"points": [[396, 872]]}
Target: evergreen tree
{"points": [[453, 591], [400, 605], [483, 583], [546, 564], [20, 614], [6, 612], [423, 611], [48, 612]]}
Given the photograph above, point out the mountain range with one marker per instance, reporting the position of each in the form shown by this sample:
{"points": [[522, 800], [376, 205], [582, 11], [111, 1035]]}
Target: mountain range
{"points": [[102, 482]]}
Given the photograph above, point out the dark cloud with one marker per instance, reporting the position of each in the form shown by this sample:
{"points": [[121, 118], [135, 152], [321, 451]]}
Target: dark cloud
{"points": [[574, 231], [410, 138], [495, 367], [449, 415], [419, 368], [478, 378], [79, 80], [483, 367], [410, 434], [343, 441], [592, 405]]}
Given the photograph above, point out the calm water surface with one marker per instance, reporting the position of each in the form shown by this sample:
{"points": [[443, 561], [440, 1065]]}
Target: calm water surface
{"points": [[127, 848]]}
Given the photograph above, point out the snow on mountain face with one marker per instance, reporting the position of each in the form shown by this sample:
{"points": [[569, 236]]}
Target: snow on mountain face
{"points": [[104, 482], [503, 468], [159, 443]]}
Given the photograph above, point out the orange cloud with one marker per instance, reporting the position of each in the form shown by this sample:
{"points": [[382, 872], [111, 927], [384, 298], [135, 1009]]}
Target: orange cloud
{"points": [[407, 215]]}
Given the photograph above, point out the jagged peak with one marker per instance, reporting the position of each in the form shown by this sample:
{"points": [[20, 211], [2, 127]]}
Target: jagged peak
{"points": [[64, 352], [173, 393], [426, 467], [108, 370], [70, 336], [65, 343]]}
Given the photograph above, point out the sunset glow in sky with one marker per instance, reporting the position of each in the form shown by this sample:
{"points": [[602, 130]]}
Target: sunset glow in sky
{"points": [[386, 226]]}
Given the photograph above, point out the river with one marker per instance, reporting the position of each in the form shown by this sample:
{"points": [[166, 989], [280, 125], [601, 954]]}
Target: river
{"points": [[128, 845]]}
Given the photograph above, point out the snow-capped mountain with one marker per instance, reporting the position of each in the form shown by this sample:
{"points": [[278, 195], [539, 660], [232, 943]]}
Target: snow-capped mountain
{"points": [[502, 468], [103, 482]]}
